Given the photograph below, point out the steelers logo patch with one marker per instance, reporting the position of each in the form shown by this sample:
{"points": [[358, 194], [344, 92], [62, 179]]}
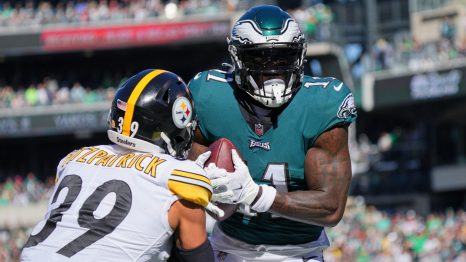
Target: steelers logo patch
{"points": [[182, 112]]}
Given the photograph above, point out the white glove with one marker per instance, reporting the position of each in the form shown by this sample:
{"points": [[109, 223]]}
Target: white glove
{"points": [[240, 182], [238, 187], [202, 158], [214, 210], [200, 161], [217, 177], [219, 180]]}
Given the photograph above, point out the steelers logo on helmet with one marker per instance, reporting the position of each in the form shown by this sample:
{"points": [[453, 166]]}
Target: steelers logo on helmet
{"points": [[182, 112]]}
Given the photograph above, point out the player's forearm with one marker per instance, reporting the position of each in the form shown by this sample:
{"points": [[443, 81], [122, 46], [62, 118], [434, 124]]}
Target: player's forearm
{"points": [[310, 207], [328, 176], [324, 202]]}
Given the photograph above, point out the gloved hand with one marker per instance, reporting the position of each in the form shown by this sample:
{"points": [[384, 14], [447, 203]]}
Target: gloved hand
{"points": [[201, 159], [215, 209], [219, 180], [217, 177], [240, 182], [238, 187]]}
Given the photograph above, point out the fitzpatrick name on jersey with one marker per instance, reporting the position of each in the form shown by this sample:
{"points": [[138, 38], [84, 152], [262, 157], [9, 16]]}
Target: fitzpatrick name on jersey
{"points": [[189, 182], [142, 162]]}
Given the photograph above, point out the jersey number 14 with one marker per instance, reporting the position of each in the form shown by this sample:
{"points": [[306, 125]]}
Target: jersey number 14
{"points": [[277, 175]]}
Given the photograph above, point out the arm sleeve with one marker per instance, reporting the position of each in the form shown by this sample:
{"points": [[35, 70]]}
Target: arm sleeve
{"points": [[203, 253]]}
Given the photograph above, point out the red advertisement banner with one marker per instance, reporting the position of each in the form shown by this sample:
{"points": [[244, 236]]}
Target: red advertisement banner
{"points": [[131, 35]]}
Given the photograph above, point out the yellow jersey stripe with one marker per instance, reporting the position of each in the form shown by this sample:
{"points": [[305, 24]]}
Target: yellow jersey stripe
{"points": [[195, 176], [133, 98], [193, 193], [191, 181]]}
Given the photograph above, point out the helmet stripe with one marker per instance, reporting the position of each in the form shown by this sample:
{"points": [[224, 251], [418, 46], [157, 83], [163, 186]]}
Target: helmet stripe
{"points": [[133, 98]]}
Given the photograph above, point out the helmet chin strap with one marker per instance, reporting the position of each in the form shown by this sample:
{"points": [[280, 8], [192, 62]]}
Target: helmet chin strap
{"points": [[170, 149], [169, 145]]}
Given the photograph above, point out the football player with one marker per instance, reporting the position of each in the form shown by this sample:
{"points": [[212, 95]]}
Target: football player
{"points": [[292, 131], [125, 201]]}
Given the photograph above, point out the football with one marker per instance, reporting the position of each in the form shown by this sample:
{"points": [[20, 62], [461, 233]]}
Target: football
{"points": [[221, 154], [221, 157]]}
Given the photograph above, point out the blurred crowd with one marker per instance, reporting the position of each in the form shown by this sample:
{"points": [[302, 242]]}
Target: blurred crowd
{"points": [[36, 13], [18, 190], [49, 92], [405, 51], [316, 22], [368, 234], [408, 53], [11, 242]]}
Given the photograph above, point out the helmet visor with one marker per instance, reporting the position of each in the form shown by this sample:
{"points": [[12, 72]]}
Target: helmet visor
{"points": [[271, 58]]}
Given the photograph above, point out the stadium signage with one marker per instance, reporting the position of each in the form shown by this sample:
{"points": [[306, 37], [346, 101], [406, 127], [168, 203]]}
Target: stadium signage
{"points": [[117, 36], [387, 90], [50, 124], [70, 121], [425, 86]]}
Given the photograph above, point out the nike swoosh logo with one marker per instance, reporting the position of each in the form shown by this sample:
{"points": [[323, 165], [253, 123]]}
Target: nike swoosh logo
{"points": [[338, 87]]}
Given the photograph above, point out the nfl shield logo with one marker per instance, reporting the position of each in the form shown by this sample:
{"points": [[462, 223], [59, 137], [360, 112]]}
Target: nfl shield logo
{"points": [[259, 129]]}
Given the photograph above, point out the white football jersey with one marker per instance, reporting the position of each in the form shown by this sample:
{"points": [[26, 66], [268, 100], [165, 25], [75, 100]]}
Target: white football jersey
{"points": [[111, 204]]}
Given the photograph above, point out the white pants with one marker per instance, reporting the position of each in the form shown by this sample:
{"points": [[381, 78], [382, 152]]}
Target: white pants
{"points": [[227, 249]]}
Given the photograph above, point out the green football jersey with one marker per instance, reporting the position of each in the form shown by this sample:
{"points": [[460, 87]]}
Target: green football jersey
{"points": [[275, 157]]}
